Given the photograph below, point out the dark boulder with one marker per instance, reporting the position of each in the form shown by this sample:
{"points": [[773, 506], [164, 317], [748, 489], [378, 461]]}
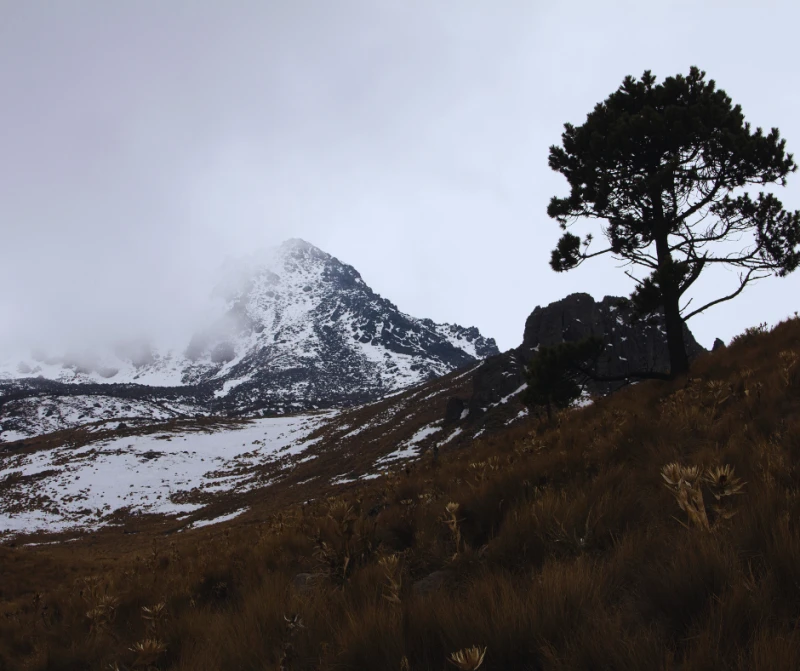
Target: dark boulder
{"points": [[632, 344]]}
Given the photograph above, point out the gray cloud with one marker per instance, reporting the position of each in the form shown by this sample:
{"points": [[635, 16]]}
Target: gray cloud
{"points": [[143, 143]]}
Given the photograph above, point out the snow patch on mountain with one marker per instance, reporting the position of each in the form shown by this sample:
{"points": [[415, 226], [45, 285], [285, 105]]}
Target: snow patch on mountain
{"points": [[38, 415], [65, 487]]}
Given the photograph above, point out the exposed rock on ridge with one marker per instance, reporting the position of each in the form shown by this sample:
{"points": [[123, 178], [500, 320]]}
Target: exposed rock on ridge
{"points": [[631, 345]]}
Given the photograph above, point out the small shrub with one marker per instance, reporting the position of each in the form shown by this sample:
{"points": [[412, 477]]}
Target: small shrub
{"points": [[750, 334]]}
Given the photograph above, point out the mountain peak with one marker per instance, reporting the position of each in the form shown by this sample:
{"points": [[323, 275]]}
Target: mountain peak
{"points": [[297, 244], [300, 330], [298, 248]]}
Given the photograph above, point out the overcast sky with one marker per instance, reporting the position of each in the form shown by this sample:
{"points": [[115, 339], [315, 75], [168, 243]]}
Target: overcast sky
{"points": [[143, 143]]}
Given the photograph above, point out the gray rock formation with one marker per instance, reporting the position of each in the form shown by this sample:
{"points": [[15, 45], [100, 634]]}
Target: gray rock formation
{"points": [[631, 345]]}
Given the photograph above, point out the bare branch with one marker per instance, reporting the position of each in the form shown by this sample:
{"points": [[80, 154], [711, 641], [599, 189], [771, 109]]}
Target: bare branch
{"points": [[643, 260], [693, 240], [744, 282], [589, 256], [699, 205], [697, 268], [635, 279]]}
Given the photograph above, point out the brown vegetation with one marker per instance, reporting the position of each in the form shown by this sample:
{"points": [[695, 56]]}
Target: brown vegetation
{"points": [[542, 546]]}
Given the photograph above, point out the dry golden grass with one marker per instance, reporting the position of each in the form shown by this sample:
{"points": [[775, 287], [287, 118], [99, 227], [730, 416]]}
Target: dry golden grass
{"points": [[542, 547]]}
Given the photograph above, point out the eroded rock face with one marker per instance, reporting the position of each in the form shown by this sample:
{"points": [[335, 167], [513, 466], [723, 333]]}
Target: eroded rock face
{"points": [[631, 345]]}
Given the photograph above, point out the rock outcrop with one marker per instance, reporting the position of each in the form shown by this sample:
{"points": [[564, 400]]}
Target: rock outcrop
{"points": [[631, 344]]}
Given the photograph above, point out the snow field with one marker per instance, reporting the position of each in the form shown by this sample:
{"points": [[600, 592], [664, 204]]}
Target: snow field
{"points": [[62, 488]]}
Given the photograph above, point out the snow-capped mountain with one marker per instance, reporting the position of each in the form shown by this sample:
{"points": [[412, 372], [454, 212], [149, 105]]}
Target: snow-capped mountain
{"points": [[301, 325], [298, 330]]}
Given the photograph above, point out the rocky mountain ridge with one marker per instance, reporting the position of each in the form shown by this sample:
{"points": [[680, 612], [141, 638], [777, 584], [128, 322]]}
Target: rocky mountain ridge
{"points": [[300, 330]]}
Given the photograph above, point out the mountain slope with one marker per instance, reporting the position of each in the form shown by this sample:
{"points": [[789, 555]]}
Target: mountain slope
{"points": [[199, 467], [545, 545], [179, 471], [298, 330]]}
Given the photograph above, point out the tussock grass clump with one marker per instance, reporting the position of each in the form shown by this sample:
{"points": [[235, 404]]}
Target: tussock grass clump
{"points": [[547, 545]]}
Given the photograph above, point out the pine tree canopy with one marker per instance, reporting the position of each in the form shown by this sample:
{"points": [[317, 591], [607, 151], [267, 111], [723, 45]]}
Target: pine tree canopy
{"points": [[666, 167]]}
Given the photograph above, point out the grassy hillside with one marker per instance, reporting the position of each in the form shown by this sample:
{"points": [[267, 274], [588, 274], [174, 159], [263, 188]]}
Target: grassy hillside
{"points": [[557, 546]]}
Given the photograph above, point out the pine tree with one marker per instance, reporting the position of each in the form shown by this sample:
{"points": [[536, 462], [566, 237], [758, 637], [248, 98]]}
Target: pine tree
{"points": [[660, 164], [556, 373]]}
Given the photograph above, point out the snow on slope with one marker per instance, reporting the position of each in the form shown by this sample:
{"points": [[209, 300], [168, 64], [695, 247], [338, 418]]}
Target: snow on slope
{"points": [[34, 416], [409, 449], [63, 488]]}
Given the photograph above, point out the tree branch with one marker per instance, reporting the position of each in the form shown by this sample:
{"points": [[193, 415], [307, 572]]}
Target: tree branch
{"points": [[692, 277], [706, 199], [635, 279], [589, 256], [744, 283]]}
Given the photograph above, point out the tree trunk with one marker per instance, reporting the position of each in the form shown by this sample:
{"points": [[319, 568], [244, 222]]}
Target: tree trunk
{"points": [[678, 360], [668, 283]]}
